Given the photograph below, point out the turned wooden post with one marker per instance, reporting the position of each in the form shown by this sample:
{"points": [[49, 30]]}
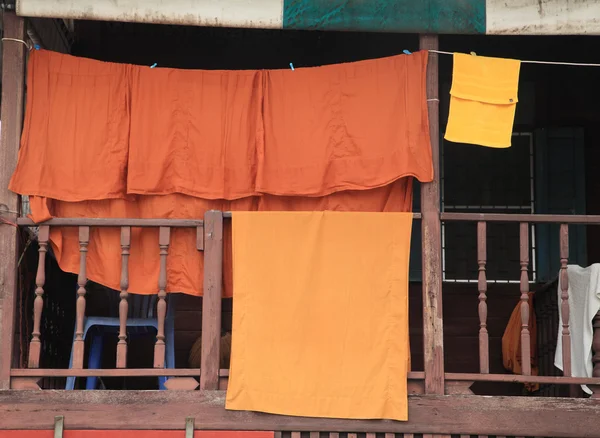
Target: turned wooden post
{"points": [[79, 344], [564, 299], [524, 286], [123, 304], [211, 300], [161, 308], [38, 304], [484, 357]]}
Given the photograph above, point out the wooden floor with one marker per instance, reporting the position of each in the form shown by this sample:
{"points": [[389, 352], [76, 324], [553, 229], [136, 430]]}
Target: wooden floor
{"points": [[168, 410]]}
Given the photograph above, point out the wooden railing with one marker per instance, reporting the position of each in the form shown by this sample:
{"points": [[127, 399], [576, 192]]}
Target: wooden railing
{"points": [[209, 234], [524, 221], [209, 238]]}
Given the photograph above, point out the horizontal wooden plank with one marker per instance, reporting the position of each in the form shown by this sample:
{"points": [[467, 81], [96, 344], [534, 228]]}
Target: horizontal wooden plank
{"points": [[514, 378], [114, 222], [228, 215], [133, 434], [531, 218], [192, 372], [167, 410], [121, 372]]}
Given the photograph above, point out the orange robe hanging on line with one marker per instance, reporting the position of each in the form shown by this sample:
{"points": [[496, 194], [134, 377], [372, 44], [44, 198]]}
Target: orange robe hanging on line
{"points": [[123, 141]]}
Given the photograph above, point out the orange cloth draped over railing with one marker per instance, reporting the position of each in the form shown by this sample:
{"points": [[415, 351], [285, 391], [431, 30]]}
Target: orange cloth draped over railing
{"points": [[511, 342], [124, 141]]}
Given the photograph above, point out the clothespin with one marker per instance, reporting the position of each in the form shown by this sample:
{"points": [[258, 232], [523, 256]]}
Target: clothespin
{"points": [[189, 427], [59, 425], [406, 52], [292, 66], [153, 65], [473, 54]]}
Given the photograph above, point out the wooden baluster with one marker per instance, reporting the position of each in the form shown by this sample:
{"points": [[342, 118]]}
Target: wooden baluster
{"points": [[78, 344], [35, 346], [564, 299], [164, 237], [123, 304], [484, 354], [525, 335], [211, 300]]}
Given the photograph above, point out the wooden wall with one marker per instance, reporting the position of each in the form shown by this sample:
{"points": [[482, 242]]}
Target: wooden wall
{"points": [[461, 325]]}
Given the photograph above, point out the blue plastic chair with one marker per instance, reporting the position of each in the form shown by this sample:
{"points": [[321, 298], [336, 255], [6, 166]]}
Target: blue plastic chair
{"points": [[140, 319]]}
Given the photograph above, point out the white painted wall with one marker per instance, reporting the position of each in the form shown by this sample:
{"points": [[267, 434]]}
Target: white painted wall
{"points": [[543, 17], [232, 13]]}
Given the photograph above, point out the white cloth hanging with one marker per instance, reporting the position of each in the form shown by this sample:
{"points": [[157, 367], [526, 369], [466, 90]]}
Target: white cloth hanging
{"points": [[584, 303]]}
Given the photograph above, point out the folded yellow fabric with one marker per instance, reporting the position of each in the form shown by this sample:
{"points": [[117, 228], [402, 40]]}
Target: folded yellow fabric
{"points": [[320, 314], [483, 100]]}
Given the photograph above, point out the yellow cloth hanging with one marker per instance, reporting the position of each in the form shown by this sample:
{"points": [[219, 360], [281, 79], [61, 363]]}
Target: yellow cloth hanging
{"points": [[320, 314], [483, 100]]}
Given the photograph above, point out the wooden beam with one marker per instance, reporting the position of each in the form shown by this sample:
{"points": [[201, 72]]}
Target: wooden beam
{"points": [[433, 337], [429, 414], [13, 70], [211, 300]]}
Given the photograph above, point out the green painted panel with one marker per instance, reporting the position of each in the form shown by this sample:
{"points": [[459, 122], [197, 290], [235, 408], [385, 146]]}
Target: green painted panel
{"points": [[407, 16]]}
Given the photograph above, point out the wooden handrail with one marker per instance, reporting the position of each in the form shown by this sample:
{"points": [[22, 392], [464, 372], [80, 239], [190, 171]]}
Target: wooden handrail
{"points": [[113, 222], [527, 218]]}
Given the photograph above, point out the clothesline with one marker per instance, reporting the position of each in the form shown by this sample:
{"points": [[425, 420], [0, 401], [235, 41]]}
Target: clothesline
{"points": [[578, 64]]}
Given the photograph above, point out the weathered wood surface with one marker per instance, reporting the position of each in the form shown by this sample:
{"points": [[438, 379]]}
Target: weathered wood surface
{"points": [[35, 345], [564, 299], [211, 301], [164, 410], [164, 238], [415, 379], [79, 342], [484, 347], [524, 288], [596, 356], [13, 85], [123, 303], [433, 342], [518, 217], [114, 222]]}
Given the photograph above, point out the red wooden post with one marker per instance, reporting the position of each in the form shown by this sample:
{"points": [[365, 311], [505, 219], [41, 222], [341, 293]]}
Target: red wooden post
{"points": [[13, 86], [78, 344], [164, 238], [38, 304], [525, 336], [484, 352], [433, 336], [123, 304], [596, 351], [211, 301], [564, 299]]}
